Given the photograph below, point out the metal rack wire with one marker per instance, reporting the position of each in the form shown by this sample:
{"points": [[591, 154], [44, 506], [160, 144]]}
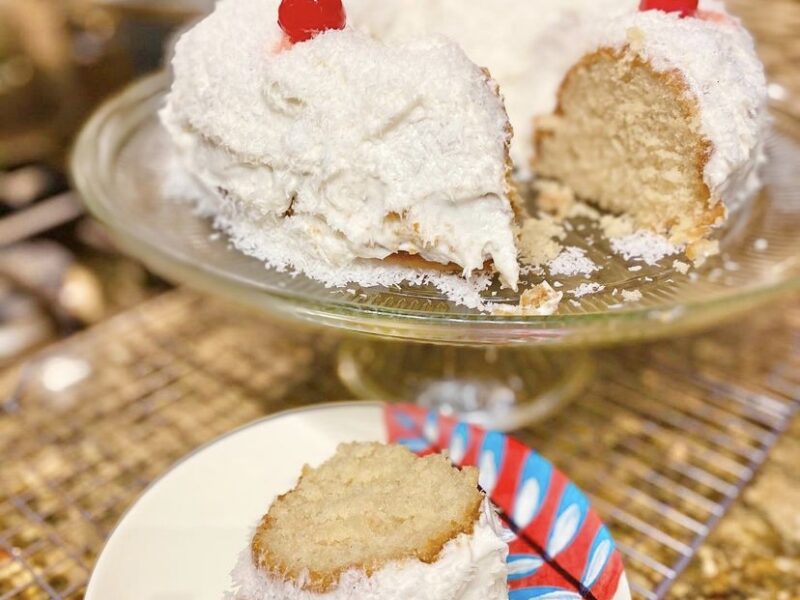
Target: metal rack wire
{"points": [[664, 451], [663, 441]]}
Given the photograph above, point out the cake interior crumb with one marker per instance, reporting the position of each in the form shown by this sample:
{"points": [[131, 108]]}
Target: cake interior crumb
{"points": [[539, 240]]}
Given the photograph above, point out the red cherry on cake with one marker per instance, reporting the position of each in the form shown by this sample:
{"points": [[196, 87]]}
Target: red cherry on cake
{"points": [[301, 20], [687, 8]]}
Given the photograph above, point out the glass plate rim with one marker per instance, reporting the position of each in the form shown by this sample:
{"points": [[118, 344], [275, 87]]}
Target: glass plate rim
{"points": [[88, 150]]}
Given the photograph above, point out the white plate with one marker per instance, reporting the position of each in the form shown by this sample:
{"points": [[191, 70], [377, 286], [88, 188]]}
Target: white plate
{"points": [[183, 536]]}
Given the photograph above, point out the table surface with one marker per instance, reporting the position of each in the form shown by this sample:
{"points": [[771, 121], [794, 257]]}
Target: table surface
{"points": [[682, 427], [755, 552]]}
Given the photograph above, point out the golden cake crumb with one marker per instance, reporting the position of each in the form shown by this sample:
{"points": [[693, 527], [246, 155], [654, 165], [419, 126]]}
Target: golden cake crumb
{"points": [[701, 250], [367, 506], [681, 267], [614, 226], [541, 300]]}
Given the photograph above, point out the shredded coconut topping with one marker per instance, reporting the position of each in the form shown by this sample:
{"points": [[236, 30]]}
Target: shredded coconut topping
{"points": [[572, 261], [587, 289], [645, 246]]}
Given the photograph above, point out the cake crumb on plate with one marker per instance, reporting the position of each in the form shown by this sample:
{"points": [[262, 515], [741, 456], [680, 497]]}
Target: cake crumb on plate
{"points": [[702, 250], [681, 267], [631, 295], [541, 300]]}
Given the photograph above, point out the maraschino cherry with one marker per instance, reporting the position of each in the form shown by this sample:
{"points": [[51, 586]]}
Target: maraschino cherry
{"points": [[301, 20], [687, 8]]}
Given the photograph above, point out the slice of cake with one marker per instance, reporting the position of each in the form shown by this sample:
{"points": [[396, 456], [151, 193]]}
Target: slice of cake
{"points": [[663, 119], [326, 153], [376, 522]]}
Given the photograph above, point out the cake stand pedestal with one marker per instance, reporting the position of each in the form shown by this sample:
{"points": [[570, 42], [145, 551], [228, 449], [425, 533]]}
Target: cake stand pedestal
{"points": [[499, 388], [412, 343]]}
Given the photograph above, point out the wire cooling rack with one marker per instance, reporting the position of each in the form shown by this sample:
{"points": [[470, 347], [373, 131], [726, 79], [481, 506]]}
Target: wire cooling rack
{"points": [[663, 441]]}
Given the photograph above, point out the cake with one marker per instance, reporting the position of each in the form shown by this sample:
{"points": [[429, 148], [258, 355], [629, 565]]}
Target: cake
{"points": [[662, 118], [515, 39], [375, 146], [652, 108], [376, 522], [327, 154]]}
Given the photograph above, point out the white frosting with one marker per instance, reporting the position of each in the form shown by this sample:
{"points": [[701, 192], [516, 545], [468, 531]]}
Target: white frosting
{"points": [[470, 567], [501, 35], [529, 45], [347, 132], [370, 149]]}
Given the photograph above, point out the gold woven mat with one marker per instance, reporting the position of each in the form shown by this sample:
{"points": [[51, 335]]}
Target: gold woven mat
{"points": [[682, 427], [776, 27]]}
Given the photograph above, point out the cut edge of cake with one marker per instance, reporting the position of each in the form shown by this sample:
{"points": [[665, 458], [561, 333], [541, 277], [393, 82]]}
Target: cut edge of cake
{"points": [[321, 579], [697, 214]]}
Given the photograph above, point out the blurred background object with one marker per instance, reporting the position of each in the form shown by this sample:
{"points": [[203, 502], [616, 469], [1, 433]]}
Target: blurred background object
{"points": [[58, 60]]}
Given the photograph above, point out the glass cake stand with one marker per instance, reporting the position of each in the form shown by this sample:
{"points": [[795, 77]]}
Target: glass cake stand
{"points": [[410, 342]]}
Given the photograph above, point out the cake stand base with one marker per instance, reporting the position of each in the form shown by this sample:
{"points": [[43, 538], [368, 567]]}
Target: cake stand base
{"points": [[497, 388]]}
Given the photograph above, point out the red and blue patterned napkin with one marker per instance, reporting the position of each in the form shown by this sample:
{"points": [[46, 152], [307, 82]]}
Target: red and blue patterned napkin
{"points": [[560, 549]]}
